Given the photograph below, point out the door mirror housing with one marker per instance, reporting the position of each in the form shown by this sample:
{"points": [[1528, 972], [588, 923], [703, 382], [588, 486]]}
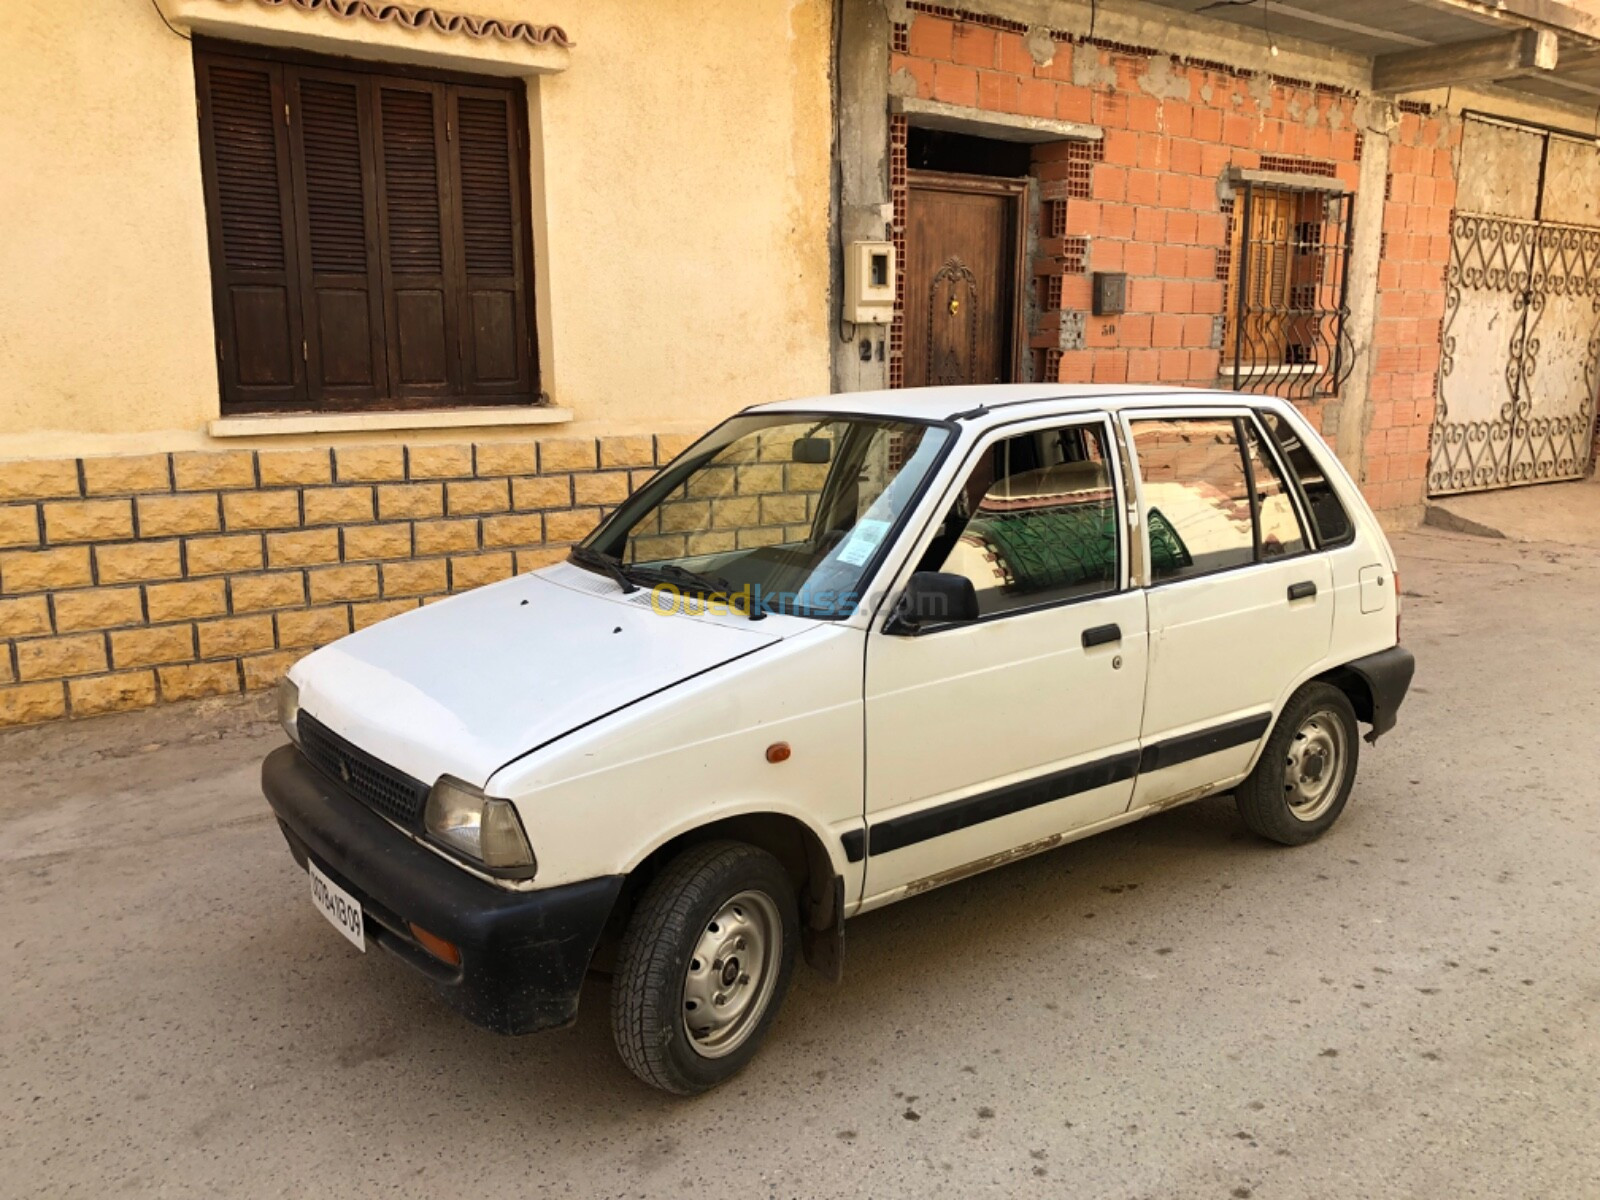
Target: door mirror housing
{"points": [[934, 598]]}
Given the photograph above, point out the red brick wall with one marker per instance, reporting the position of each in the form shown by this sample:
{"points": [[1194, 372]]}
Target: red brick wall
{"points": [[1146, 201], [1416, 238]]}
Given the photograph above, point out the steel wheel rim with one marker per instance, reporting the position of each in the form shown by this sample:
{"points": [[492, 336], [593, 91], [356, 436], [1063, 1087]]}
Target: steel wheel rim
{"points": [[1314, 767], [731, 974]]}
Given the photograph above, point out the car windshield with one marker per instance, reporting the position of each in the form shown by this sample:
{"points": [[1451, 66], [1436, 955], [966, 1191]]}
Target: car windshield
{"points": [[781, 512]]}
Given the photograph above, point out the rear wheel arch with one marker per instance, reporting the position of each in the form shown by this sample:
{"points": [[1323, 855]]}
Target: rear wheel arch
{"points": [[1356, 689]]}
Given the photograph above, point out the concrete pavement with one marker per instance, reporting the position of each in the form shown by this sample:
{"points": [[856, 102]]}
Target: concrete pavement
{"points": [[1410, 1007], [1563, 513]]}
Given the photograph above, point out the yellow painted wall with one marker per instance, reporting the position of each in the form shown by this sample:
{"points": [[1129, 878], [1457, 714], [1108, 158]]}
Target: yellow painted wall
{"points": [[685, 187]]}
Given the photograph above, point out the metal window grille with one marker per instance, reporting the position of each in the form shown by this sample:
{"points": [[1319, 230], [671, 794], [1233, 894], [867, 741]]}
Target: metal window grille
{"points": [[1288, 292]]}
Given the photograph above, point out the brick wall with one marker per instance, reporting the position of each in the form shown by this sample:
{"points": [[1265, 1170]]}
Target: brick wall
{"points": [[1147, 201], [1419, 198], [132, 579]]}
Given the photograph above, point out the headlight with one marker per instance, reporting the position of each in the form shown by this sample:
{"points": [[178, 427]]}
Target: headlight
{"points": [[482, 828], [289, 709]]}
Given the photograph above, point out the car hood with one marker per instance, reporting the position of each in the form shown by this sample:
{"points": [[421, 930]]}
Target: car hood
{"points": [[463, 686]]}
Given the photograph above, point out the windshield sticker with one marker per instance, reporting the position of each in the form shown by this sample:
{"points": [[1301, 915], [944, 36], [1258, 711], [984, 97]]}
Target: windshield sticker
{"points": [[863, 540]]}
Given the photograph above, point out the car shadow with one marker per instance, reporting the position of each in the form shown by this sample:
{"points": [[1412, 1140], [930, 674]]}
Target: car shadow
{"points": [[948, 940]]}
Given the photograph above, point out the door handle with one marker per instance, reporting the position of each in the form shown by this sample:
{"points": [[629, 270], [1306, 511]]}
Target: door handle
{"points": [[1303, 590], [1099, 635]]}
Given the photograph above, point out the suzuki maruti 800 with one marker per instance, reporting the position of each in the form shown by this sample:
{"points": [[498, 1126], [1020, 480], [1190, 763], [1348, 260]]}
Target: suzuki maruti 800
{"points": [[841, 651]]}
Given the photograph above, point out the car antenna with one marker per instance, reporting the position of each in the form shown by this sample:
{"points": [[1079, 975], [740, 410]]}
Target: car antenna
{"points": [[981, 411]]}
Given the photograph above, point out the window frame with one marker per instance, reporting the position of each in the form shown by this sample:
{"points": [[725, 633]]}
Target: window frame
{"points": [[1270, 370], [915, 547], [296, 232], [1236, 415]]}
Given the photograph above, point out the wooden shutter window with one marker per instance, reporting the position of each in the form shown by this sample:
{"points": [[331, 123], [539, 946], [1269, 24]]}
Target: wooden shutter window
{"points": [[246, 160], [487, 218], [494, 301], [368, 232], [1260, 256], [422, 359], [248, 175], [411, 175], [330, 130], [342, 295]]}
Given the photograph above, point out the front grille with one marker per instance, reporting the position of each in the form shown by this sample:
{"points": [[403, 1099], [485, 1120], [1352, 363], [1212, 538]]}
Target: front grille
{"points": [[376, 784]]}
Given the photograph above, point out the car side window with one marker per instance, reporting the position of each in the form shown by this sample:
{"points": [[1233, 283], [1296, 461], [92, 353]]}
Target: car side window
{"points": [[1328, 515], [1278, 525], [1035, 522], [1197, 499]]}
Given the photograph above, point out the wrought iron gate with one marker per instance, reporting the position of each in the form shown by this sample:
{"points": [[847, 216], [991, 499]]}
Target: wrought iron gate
{"points": [[1521, 338]]}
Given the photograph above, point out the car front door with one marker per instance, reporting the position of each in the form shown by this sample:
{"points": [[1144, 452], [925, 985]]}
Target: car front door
{"points": [[995, 737], [1240, 605]]}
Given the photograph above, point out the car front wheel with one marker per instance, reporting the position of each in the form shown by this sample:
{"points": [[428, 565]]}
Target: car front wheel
{"points": [[1304, 776], [703, 966]]}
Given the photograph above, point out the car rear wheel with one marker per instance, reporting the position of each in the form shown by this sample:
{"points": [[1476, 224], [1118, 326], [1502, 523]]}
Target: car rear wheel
{"points": [[704, 966], [1304, 776]]}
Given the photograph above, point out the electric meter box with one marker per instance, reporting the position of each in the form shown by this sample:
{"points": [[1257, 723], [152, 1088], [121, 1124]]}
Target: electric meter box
{"points": [[869, 283]]}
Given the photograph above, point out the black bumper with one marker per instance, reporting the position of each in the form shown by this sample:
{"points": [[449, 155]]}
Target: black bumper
{"points": [[1387, 675], [523, 954]]}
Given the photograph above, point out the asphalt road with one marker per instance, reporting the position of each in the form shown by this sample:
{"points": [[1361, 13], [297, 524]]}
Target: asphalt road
{"points": [[1410, 1007]]}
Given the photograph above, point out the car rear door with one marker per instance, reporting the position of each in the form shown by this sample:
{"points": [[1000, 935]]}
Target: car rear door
{"points": [[1240, 603], [995, 737]]}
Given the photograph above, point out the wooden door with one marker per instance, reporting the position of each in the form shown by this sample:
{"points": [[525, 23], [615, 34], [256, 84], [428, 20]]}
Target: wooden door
{"points": [[962, 257]]}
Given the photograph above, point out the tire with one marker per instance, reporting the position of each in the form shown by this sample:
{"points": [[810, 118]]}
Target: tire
{"points": [[1304, 776], [715, 901]]}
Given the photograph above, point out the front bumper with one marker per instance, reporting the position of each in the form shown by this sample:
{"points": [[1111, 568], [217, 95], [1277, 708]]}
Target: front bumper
{"points": [[523, 954]]}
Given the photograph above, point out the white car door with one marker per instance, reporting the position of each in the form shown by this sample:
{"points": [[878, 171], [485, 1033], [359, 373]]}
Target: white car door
{"points": [[999, 735], [1240, 605]]}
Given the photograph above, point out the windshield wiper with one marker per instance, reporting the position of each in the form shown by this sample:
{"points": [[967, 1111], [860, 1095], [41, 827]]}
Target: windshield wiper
{"points": [[588, 557], [710, 585]]}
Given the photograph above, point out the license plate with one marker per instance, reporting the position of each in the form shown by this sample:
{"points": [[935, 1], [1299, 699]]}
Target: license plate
{"points": [[339, 906]]}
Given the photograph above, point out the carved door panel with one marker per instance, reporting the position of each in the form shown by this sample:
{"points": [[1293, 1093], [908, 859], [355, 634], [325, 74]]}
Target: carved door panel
{"points": [[960, 280]]}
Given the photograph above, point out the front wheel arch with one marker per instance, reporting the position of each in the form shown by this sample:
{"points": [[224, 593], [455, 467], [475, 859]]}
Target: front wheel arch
{"points": [[797, 847]]}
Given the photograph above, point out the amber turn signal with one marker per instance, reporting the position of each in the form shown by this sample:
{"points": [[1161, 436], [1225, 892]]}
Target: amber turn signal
{"points": [[778, 752], [435, 945]]}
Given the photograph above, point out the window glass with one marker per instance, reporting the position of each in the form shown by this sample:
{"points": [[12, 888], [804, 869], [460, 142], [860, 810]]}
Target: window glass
{"points": [[1197, 502], [1279, 524], [1327, 513], [782, 512], [1035, 523]]}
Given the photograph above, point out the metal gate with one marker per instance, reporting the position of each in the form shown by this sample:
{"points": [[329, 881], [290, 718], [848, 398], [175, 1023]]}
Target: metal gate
{"points": [[1521, 338]]}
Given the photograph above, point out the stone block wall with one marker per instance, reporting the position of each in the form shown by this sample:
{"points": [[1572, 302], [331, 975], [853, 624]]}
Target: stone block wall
{"points": [[129, 580]]}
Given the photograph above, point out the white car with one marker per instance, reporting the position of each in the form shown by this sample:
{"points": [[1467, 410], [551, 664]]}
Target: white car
{"points": [[840, 652]]}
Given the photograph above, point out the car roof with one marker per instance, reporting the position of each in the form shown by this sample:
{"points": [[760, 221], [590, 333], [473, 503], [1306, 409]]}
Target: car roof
{"points": [[943, 403]]}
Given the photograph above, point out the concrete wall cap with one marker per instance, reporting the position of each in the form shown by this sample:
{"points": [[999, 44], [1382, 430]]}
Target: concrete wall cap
{"points": [[1006, 127]]}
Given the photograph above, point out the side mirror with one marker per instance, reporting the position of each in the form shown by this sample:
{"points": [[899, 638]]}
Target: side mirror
{"points": [[935, 597], [814, 451]]}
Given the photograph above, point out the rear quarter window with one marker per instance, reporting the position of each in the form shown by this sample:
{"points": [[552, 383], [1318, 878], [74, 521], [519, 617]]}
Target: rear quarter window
{"points": [[1333, 524]]}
